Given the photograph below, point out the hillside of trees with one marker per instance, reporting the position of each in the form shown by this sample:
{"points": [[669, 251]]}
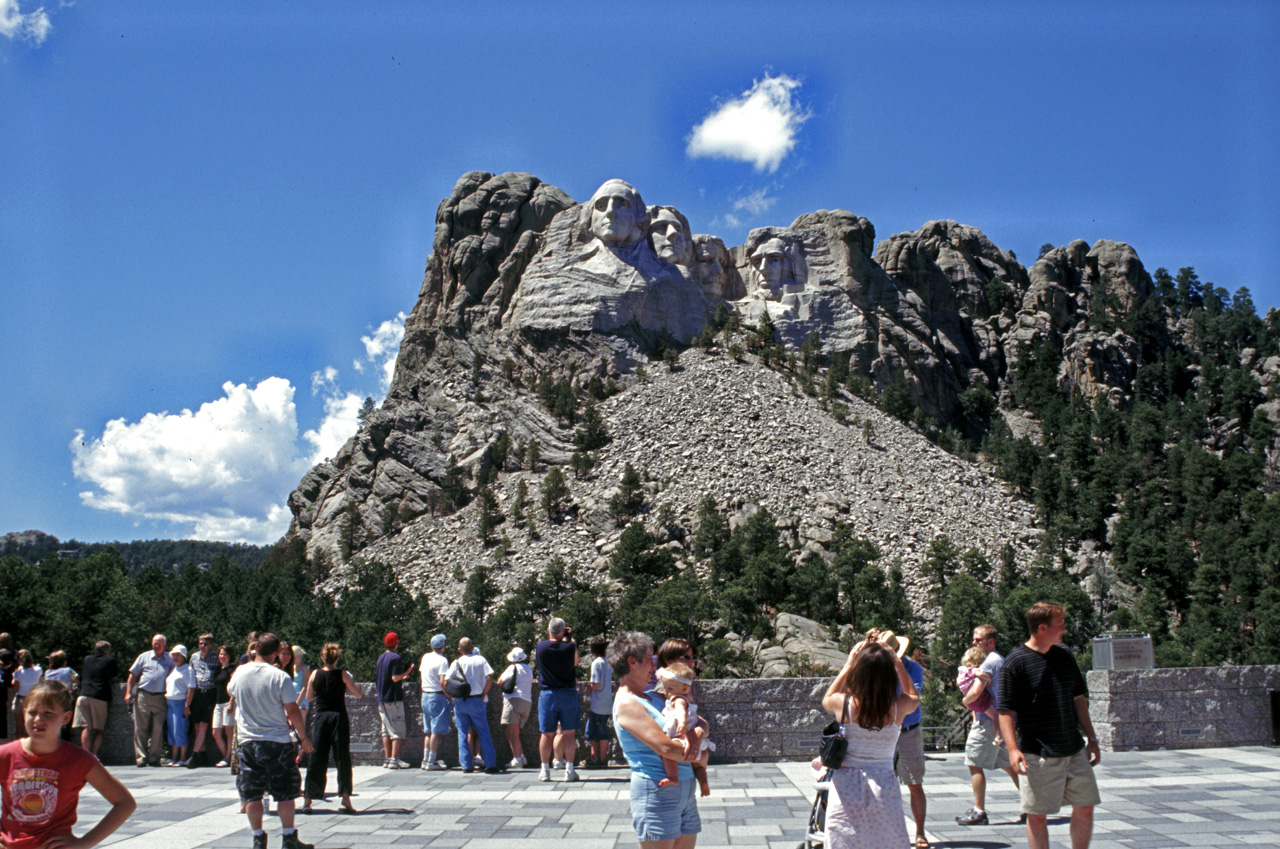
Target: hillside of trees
{"points": [[166, 554]]}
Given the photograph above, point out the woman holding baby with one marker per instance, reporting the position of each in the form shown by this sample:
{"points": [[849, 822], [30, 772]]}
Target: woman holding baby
{"points": [[664, 812], [869, 697]]}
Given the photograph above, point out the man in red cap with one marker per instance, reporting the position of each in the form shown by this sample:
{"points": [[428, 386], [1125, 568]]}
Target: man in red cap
{"points": [[391, 672]]}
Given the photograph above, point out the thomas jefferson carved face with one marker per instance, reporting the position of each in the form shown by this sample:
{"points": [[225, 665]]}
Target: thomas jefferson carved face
{"points": [[670, 241], [617, 214]]}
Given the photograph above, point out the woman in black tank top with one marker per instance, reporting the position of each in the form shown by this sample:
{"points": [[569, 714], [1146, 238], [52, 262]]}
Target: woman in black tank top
{"points": [[331, 731]]}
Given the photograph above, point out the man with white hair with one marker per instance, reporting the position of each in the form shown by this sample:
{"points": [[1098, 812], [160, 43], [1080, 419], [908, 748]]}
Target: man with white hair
{"points": [[558, 702], [469, 710], [144, 691]]}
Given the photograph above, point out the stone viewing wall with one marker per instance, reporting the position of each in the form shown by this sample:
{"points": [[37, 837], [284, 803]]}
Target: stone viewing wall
{"points": [[753, 719], [771, 719], [1191, 708]]}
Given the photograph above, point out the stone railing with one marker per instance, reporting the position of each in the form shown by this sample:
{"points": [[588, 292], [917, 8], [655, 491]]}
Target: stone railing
{"points": [[772, 719], [1190, 708], [754, 719]]}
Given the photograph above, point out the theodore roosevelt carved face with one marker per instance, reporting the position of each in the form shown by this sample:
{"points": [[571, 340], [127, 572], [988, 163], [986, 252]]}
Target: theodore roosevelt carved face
{"points": [[618, 214]]}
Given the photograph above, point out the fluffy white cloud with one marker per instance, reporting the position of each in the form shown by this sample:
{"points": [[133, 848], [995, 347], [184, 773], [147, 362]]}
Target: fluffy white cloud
{"points": [[759, 127], [381, 348], [221, 470], [340, 423], [224, 471], [757, 203], [33, 27]]}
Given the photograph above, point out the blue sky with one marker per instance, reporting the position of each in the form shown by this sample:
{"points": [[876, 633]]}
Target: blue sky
{"points": [[211, 215]]}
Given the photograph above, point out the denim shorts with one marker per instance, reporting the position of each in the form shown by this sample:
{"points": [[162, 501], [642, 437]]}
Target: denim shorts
{"points": [[663, 813], [598, 726], [558, 707], [435, 713]]}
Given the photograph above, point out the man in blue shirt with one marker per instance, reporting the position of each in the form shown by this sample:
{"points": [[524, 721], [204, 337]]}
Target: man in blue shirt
{"points": [[908, 763], [390, 674], [144, 692]]}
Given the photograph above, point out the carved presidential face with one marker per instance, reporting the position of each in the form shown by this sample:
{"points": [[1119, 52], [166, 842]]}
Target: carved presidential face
{"points": [[770, 259], [617, 214], [670, 241]]}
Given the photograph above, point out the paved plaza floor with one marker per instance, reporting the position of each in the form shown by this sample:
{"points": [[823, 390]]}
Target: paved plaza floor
{"points": [[1208, 797]]}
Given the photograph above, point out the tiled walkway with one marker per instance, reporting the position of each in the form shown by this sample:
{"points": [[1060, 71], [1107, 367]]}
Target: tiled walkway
{"points": [[1211, 797]]}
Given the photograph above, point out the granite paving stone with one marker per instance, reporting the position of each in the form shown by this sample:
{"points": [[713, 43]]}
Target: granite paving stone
{"points": [[1150, 800]]}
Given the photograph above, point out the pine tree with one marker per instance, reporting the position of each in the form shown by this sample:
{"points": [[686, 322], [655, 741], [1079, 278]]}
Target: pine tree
{"points": [[591, 433], [630, 496], [490, 515], [554, 493], [519, 502]]}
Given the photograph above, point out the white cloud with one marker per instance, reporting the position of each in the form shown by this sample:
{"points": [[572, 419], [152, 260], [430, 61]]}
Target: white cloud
{"points": [[221, 470], [325, 380], [759, 127], [340, 423], [381, 348], [33, 27], [757, 203]]}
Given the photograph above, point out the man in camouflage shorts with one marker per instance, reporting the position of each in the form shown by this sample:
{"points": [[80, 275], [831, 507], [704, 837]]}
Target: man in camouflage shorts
{"points": [[266, 706]]}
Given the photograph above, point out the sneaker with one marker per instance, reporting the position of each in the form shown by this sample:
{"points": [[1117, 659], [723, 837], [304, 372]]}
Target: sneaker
{"points": [[479, 762], [386, 764], [437, 765], [291, 841], [493, 770], [427, 765], [570, 774], [396, 763], [544, 774], [223, 763], [516, 763], [972, 817], [557, 764], [260, 841]]}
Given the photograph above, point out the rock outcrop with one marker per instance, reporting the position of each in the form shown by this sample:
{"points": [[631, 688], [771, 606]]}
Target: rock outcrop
{"points": [[526, 289]]}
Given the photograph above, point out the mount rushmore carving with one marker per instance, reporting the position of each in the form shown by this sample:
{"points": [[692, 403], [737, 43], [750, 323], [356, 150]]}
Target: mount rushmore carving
{"points": [[522, 281]]}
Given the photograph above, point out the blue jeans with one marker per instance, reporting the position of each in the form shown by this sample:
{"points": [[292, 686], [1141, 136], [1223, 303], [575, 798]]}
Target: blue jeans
{"points": [[177, 722], [468, 713], [435, 713]]}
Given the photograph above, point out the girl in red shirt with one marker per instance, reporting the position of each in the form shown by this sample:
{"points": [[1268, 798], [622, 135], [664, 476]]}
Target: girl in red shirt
{"points": [[41, 777]]}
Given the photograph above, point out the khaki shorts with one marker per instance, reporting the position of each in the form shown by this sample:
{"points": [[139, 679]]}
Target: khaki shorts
{"points": [[224, 716], [392, 715], [1051, 783], [981, 749], [908, 763], [516, 711], [90, 713]]}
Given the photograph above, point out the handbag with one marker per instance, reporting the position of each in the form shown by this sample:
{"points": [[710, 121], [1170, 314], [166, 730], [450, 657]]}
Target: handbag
{"points": [[509, 684], [833, 746], [456, 686]]}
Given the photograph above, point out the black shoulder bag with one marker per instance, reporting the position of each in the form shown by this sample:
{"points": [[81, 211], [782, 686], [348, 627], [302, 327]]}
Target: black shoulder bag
{"points": [[833, 746]]}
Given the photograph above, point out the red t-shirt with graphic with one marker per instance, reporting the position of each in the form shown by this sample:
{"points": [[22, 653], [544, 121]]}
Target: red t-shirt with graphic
{"points": [[40, 792]]}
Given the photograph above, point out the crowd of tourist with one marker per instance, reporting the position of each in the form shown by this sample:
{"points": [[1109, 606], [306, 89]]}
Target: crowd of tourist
{"points": [[1029, 712]]}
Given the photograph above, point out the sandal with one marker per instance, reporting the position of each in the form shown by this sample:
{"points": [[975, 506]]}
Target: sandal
{"points": [[921, 843]]}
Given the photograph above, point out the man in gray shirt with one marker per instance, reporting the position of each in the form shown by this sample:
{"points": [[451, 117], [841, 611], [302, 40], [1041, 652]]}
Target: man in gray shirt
{"points": [[144, 691], [266, 706]]}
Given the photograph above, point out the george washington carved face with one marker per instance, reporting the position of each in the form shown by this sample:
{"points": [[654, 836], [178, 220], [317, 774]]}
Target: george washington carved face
{"points": [[618, 215]]}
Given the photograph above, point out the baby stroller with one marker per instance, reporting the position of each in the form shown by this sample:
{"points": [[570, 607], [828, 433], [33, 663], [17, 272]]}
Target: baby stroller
{"points": [[816, 835]]}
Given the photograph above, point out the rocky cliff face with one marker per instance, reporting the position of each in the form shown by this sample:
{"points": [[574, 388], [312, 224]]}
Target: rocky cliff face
{"points": [[525, 285]]}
